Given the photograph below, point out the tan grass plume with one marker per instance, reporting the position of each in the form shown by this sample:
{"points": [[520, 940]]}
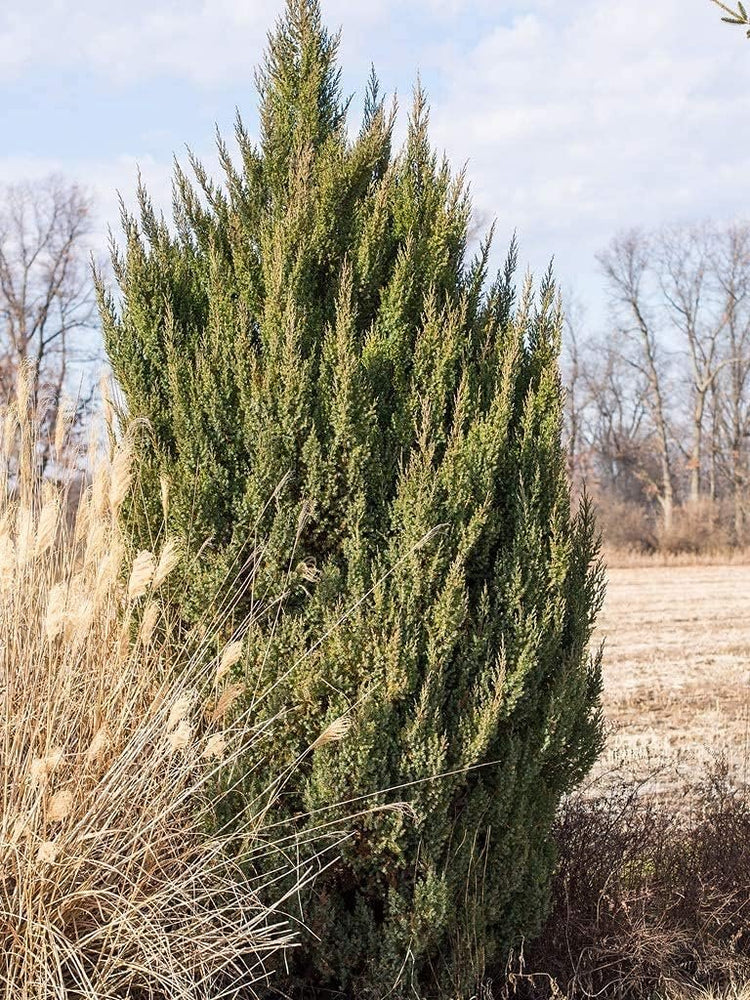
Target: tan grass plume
{"points": [[104, 806], [141, 574]]}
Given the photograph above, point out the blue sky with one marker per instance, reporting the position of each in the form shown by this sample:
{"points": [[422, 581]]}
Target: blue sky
{"points": [[577, 119]]}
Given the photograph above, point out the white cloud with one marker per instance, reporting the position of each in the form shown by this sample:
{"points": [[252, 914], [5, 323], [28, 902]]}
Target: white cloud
{"points": [[617, 115], [206, 41], [576, 119]]}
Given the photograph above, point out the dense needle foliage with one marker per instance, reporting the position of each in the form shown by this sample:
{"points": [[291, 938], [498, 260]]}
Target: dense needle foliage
{"points": [[330, 379]]}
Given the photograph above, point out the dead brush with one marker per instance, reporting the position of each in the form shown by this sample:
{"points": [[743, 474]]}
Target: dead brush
{"points": [[651, 896], [111, 749]]}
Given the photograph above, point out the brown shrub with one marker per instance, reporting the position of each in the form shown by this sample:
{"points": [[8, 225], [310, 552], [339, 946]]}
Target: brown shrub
{"points": [[650, 896], [626, 526], [697, 529]]}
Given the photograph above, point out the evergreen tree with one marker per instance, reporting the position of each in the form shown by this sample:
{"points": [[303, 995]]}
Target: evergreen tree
{"points": [[330, 379]]}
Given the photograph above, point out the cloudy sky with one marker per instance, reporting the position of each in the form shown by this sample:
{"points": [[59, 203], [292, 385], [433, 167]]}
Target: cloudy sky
{"points": [[577, 118]]}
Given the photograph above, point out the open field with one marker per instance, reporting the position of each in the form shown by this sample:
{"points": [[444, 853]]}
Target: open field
{"points": [[677, 665]]}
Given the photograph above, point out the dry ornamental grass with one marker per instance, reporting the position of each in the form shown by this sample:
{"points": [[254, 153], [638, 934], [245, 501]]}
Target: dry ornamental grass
{"points": [[112, 741]]}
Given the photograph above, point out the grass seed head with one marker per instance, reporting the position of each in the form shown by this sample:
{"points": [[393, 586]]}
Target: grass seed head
{"points": [[60, 805], [231, 655], [47, 852], [179, 737], [43, 767], [169, 559], [179, 711], [148, 623], [99, 746], [216, 746], [24, 384], [56, 604], [227, 698], [337, 730], [141, 574], [7, 560], [164, 489], [46, 529], [121, 476], [25, 535]]}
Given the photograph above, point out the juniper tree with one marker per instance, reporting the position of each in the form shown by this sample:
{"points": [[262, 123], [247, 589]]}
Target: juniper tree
{"points": [[329, 377]]}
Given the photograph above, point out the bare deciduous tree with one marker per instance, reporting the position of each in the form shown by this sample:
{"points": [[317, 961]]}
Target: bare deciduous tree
{"points": [[661, 407], [682, 266], [575, 390], [609, 437], [626, 265], [731, 400], [46, 292]]}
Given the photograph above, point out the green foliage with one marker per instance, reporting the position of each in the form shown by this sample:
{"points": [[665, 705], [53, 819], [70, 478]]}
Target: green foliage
{"points": [[332, 383], [738, 16]]}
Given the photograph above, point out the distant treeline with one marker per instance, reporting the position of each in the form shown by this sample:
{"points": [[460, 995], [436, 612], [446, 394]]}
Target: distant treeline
{"points": [[658, 405]]}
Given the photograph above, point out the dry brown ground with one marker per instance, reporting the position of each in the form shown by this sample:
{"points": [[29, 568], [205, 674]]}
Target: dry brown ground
{"points": [[677, 666]]}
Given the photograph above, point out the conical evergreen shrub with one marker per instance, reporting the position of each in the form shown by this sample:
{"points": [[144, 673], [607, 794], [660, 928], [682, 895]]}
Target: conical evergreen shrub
{"points": [[331, 381]]}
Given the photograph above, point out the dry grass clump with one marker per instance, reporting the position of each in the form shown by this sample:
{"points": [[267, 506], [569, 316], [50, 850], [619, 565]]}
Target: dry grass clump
{"points": [[651, 898], [112, 743], [735, 991], [700, 528], [625, 526], [701, 533]]}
